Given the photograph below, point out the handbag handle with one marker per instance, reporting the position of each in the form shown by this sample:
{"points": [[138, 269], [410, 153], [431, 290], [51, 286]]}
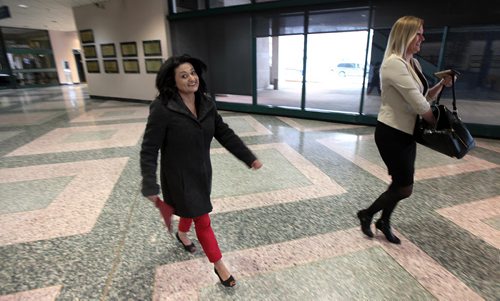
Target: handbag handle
{"points": [[454, 102]]}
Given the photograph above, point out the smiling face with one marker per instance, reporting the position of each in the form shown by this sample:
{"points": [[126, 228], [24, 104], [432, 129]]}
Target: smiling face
{"points": [[415, 44], [186, 79]]}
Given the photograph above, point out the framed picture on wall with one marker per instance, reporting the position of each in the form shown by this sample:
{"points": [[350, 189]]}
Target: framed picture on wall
{"points": [[110, 66], [131, 66], [153, 65], [108, 50], [129, 48], [89, 51], [87, 36], [152, 48], [93, 66]]}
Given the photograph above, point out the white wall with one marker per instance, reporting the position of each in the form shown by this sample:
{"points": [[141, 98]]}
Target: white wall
{"points": [[124, 21], [63, 43]]}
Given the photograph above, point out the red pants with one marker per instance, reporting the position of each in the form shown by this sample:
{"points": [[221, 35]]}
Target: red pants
{"points": [[205, 235]]}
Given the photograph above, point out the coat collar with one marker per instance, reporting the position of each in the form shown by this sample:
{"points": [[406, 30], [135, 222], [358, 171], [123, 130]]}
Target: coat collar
{"points": [[204, 103]]}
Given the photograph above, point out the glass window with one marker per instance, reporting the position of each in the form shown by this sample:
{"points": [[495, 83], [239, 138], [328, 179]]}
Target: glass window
{"points": [[280, 59], [328, 21], [180, 6], [225, 44], [23, 38], [335, 74], [336, 59], [279, 70], [30, 56], [371, 104], [279, 24], [223, 3], [475, 53]]}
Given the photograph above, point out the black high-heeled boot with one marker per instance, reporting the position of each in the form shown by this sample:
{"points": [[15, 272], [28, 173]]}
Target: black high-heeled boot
{"points": [[365, 220], [385, 227]]}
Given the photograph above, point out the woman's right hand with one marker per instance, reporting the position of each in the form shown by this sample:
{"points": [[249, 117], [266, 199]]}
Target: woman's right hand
{"points": [[256, 164], [152, 198]]}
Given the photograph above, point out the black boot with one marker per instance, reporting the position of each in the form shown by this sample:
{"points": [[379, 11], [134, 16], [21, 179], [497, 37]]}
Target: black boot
{"points": [[385, 227], [365, 219]]}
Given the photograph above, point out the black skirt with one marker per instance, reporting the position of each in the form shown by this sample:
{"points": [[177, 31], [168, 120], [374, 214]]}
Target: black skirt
{"points": [[398, 150]]}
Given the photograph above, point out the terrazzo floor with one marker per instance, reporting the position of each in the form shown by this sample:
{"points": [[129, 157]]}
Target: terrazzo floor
{"points": [[73, 225]]}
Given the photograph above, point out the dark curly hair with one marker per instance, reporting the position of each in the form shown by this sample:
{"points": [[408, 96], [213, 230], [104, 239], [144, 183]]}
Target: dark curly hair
{"points": [[165, 79]]}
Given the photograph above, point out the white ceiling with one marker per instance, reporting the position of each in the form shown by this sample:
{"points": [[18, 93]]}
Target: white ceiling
{"points": [[44, 14]]}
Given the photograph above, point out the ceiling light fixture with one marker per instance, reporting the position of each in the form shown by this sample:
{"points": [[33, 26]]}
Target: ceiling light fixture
{"points": [[22, 5]]}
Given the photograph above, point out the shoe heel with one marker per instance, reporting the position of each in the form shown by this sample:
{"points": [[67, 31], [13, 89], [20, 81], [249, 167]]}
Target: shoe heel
{"points": [[189, 248], [229, 282]]}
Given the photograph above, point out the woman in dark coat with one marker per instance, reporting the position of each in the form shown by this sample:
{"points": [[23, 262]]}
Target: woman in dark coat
{"points": [[182, 122]]}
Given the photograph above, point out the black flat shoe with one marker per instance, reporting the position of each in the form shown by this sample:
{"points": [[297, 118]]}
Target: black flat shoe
{"points": [[190, 248], [386, 229], [365, 220], [229, 282]]}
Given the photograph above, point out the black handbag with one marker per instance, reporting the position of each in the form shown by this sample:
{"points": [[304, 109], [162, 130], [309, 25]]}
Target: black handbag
{"points": [[449, 136]]}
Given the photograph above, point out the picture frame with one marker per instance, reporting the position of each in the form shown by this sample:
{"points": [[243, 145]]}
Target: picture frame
{"points": [[92, 66], [89, 51], [151, 48], [110, 66], [86, 36], [131, 66], [108, 50], [128, 49], [153, 65]]}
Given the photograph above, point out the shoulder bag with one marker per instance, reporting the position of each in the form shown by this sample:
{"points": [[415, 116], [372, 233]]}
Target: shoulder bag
{"points": [[449, 136]]}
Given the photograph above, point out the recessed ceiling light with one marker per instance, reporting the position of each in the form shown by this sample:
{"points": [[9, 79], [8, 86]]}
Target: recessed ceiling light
{"points": [[23, 5]]}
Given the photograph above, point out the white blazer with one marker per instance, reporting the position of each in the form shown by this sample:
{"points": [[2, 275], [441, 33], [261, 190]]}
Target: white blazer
{"points": [[402, 97]]}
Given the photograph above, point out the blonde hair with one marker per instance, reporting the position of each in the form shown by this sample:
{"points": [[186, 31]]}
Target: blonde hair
{"points": [[402, 33]]}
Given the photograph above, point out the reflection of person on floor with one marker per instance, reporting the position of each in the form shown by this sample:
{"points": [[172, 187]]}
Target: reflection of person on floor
{"points": [[375, 79], [405, 94], [182, 122]]}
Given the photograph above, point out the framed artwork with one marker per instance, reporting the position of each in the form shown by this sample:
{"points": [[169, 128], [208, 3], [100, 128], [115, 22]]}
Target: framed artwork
{"points": [[89, 51], [153, 65], [108, 50], [152, 48], [129, 48], [93, 66], [131, 66], [110, 66], [87, 36]]}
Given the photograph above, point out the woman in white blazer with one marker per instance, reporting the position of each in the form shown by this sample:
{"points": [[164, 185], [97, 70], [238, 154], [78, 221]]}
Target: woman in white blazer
{"points": [[405, 95]]}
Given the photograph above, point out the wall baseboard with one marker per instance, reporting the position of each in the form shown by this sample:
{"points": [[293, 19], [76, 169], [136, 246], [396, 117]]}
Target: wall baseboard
{"points": [[120, 99]]}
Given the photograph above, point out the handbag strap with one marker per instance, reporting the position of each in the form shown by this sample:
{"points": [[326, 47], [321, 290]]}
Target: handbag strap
{"points": [[454, 102]]}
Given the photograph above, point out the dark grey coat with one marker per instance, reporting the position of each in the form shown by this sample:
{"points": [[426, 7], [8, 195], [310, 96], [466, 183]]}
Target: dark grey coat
{"points": [[184, 141]]}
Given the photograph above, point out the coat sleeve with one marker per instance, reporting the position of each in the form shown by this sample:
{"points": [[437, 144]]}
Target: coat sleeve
{"points": [[226, 136], [154, 135]]}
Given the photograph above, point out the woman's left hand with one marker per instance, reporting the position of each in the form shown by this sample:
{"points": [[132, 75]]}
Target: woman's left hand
{"points": [[256, 164], [448, 80]]}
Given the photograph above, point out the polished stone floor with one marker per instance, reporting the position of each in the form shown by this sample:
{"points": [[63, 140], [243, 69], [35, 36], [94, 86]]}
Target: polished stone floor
{"points": [[73, 225]]}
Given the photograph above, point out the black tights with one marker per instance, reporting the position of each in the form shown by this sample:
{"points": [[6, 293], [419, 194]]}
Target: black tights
{"points": [[388, 200]]}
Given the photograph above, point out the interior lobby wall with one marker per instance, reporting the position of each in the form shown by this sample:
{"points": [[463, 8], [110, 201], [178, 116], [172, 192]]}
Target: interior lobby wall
{"points": [[118, 21]]}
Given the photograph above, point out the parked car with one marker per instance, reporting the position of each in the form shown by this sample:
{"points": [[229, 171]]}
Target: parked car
{"points": [[348, 69]]}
